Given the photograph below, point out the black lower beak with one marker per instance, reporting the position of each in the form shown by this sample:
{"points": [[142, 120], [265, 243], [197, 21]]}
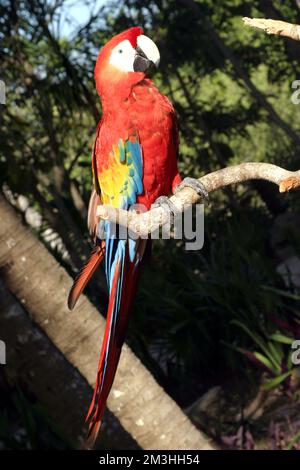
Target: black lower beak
{"points": [[142, 63]]}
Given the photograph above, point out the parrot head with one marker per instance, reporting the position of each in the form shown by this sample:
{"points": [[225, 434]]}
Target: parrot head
{"points": [[124, 61]]}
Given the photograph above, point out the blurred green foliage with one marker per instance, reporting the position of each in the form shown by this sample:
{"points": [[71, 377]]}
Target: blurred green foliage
{"points": [[231, 87], [24, 424]]}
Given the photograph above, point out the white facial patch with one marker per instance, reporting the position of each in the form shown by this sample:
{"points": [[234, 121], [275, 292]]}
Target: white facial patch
{"points": [[122, 56], [149, 48]]}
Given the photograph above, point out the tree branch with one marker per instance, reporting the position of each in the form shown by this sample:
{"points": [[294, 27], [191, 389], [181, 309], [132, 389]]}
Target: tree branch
{"points": [[148, 222], [280, 28]]}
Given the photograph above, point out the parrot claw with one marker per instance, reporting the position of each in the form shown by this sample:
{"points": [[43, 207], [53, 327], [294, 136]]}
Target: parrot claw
{"points": [[196, 185], [165, 203]]}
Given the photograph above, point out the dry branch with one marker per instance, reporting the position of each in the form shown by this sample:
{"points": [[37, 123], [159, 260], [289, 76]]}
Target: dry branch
{"points": [[148, 222], [280, 28]]}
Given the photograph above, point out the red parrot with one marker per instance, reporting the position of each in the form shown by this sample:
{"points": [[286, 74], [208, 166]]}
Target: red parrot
{"points": [[134, 161]]}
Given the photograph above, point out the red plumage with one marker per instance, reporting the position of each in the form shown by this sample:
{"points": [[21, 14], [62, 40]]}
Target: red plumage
{"points": [[153, 115], [86, 273]]}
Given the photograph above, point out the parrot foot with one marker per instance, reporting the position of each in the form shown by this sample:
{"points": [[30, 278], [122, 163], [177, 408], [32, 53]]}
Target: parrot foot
{"points": [[196, 185], [165, 203]]}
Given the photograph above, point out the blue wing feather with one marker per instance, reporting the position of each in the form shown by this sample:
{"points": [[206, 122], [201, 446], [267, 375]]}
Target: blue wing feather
{"points": [[130, 155]]}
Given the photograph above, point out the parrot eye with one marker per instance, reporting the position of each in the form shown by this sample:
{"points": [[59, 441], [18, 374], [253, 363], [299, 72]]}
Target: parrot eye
{"points": [[122, 56]]}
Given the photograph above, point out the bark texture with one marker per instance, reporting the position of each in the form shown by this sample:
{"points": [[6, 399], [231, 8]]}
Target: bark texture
{"points": [[34, 362], [279, 28]]}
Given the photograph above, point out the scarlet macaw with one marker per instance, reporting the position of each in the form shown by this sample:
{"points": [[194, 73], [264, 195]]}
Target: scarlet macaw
{"points": [[134, 161]]}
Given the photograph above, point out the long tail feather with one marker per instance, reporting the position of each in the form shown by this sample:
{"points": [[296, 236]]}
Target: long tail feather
{"points": [[123, 272], [85, 274]]}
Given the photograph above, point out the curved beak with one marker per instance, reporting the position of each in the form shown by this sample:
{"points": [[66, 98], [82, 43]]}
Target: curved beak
{"points": [[147, 55]]}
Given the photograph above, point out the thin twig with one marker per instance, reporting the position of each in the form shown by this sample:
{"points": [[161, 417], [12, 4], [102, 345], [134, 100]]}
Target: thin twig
{"points": [[280, 28], [147, 222]]}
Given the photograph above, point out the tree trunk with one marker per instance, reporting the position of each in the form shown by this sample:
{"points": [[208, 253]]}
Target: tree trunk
{"points": [[152, 418], [34, 362]]}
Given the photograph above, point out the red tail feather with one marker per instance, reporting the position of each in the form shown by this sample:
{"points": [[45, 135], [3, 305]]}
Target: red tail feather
{"points": [[112, 342], [85, 274], [102, 388]]}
